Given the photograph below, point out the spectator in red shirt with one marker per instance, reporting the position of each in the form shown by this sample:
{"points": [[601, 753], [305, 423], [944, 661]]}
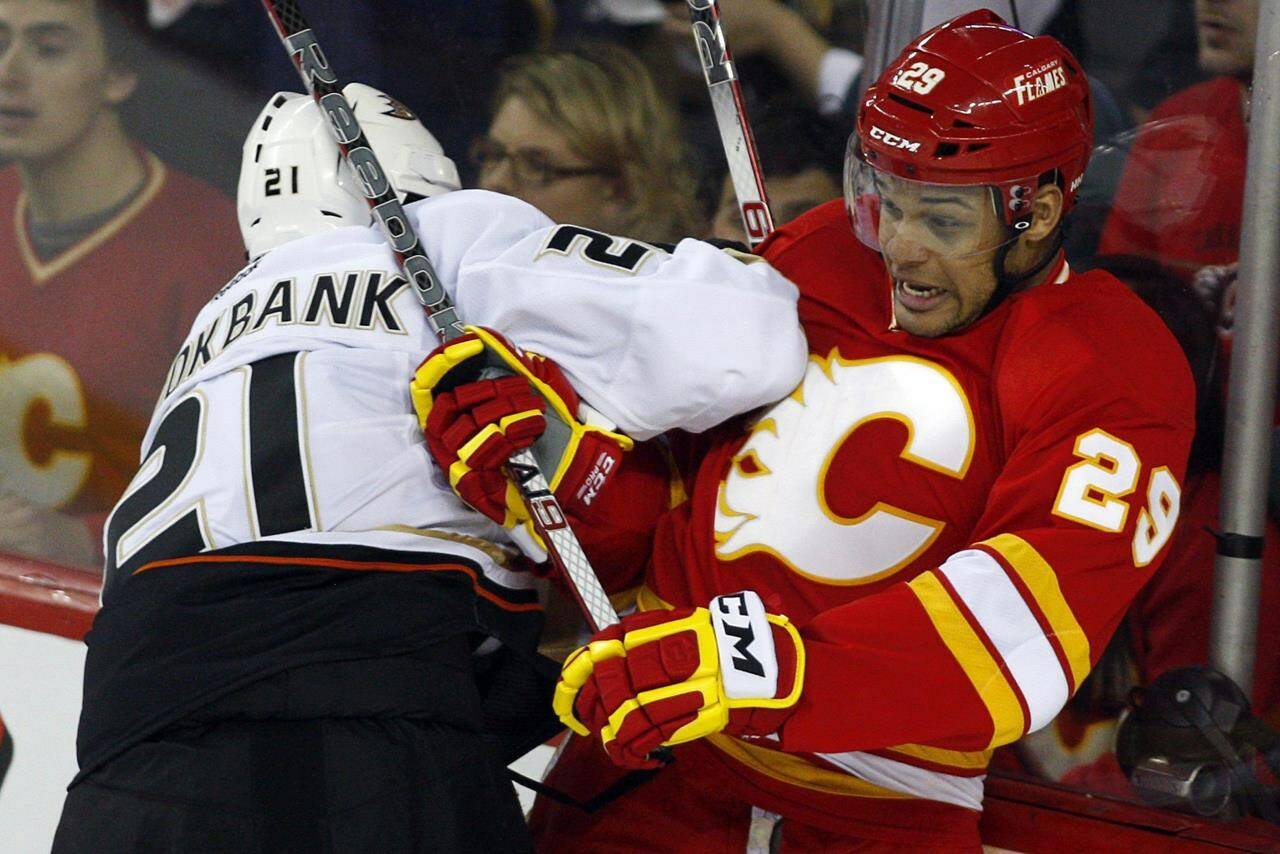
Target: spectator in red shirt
{"points": [[105, 256], [1181, 195]]}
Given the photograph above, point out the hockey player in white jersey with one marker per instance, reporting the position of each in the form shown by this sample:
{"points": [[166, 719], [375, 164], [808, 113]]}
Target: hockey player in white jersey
{"points": [[292, 593]]}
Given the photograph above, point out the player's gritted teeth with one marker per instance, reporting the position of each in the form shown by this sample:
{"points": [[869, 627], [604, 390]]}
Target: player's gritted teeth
{"points": [[917, 296]]}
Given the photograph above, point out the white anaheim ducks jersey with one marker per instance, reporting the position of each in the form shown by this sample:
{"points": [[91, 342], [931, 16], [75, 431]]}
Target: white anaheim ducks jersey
{"points": [[286, 415]]}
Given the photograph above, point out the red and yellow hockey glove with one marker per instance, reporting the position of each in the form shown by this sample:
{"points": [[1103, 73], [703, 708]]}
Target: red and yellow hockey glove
{"points": [[667, 677], [480, 399]]}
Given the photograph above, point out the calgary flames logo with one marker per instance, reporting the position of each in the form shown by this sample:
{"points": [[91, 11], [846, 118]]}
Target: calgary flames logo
{"points": [[774, 499], [40, 396]]}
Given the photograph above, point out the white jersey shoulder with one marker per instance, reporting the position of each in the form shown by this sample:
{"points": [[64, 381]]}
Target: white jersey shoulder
{"points": [[654, 340], [293, 382]]}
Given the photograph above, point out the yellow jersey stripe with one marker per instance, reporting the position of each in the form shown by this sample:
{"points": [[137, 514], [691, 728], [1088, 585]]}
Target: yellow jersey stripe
{"points": [[1039, 578], [968, 760], [1008, 722]]}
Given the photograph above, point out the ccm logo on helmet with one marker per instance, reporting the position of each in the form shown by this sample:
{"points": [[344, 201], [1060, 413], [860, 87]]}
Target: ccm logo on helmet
{"points": [[894, 141]]}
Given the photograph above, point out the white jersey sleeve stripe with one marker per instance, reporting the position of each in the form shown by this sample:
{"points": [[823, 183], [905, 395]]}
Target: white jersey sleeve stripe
{"points": [[999, 609], [1039, 579]]}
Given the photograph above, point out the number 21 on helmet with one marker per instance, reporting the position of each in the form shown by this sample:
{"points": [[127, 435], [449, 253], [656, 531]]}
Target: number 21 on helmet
{"points": [[293, 182]]}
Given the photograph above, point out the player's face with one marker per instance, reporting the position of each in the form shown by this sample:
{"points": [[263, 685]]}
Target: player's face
{"points": [[938, 244], [789, 196], [55, 81], [1226, 31], [532, 160]]}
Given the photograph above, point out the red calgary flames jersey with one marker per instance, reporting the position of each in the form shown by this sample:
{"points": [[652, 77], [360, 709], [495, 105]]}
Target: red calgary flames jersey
{"points": [[86, 337], [955, 524]]}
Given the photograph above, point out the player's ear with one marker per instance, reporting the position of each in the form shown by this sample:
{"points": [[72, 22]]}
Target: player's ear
{"points": [[120, 84], [1046, 213]]}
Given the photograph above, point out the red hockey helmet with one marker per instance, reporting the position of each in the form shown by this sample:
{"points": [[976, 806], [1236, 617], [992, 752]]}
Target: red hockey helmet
{"points": [[973, 102]]}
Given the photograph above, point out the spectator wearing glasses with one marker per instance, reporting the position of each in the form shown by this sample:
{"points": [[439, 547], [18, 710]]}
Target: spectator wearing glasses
{"points": [[582, 135]]}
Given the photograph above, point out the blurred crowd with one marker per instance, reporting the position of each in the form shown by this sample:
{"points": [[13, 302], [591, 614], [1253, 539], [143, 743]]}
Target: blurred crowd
{"points": [[121, 126]]}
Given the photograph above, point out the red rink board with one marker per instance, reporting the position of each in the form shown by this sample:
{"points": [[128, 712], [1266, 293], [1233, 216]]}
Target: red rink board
{"points": [[47, 598], [1033, 816], [1020, 814]]}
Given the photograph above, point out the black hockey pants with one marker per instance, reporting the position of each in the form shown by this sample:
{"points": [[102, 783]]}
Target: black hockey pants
{"points": [[328, 785]]}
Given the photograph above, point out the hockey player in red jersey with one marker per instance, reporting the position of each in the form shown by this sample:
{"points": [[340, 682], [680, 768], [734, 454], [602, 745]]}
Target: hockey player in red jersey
{"points": [[918, 555]]}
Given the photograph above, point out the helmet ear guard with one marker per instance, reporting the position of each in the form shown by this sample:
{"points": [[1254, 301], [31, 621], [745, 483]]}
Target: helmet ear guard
{"points": [[295, 183]]}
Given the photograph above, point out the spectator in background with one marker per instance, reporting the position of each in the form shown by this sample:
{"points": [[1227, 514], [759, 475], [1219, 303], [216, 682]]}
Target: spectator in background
{"points": [[1144, 50], [1181, 196], [105, 256], [802, 50], [812, 68], [582, 135], [800, 153], [438, 57]]}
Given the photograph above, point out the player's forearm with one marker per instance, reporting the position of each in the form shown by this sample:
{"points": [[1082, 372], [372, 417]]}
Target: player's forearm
{"points": [[968, 656], [877, 675]]}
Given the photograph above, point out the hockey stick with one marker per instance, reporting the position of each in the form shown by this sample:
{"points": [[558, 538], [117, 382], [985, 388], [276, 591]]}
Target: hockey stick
{"points": [[313, 67], [731, 118]]}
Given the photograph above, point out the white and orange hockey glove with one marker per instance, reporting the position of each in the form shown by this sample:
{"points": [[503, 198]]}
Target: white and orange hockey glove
{"points": [[667, 677], [479, 399]]}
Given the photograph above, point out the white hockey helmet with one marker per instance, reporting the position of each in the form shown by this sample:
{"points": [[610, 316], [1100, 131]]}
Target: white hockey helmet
{"points": [[293, 183]]}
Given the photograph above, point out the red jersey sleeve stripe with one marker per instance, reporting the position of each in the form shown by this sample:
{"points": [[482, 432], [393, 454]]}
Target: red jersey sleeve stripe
{"points": [[975, 659], [1039, 579]]}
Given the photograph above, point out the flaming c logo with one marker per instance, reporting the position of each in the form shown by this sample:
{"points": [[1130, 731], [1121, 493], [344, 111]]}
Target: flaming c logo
{"points": [[774, 498]]}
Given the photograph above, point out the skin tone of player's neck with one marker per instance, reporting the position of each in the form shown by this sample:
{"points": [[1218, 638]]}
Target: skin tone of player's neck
{"points": [[789, 196], [592, 200], [940, 243], [58, 100]]}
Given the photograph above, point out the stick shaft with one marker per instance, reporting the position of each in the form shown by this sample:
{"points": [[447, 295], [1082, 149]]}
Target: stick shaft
{"points": [[313, 67], [731, 119]]}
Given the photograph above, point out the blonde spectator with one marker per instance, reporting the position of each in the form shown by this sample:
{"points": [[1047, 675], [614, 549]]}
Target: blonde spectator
{"points": [[582, 135]]}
